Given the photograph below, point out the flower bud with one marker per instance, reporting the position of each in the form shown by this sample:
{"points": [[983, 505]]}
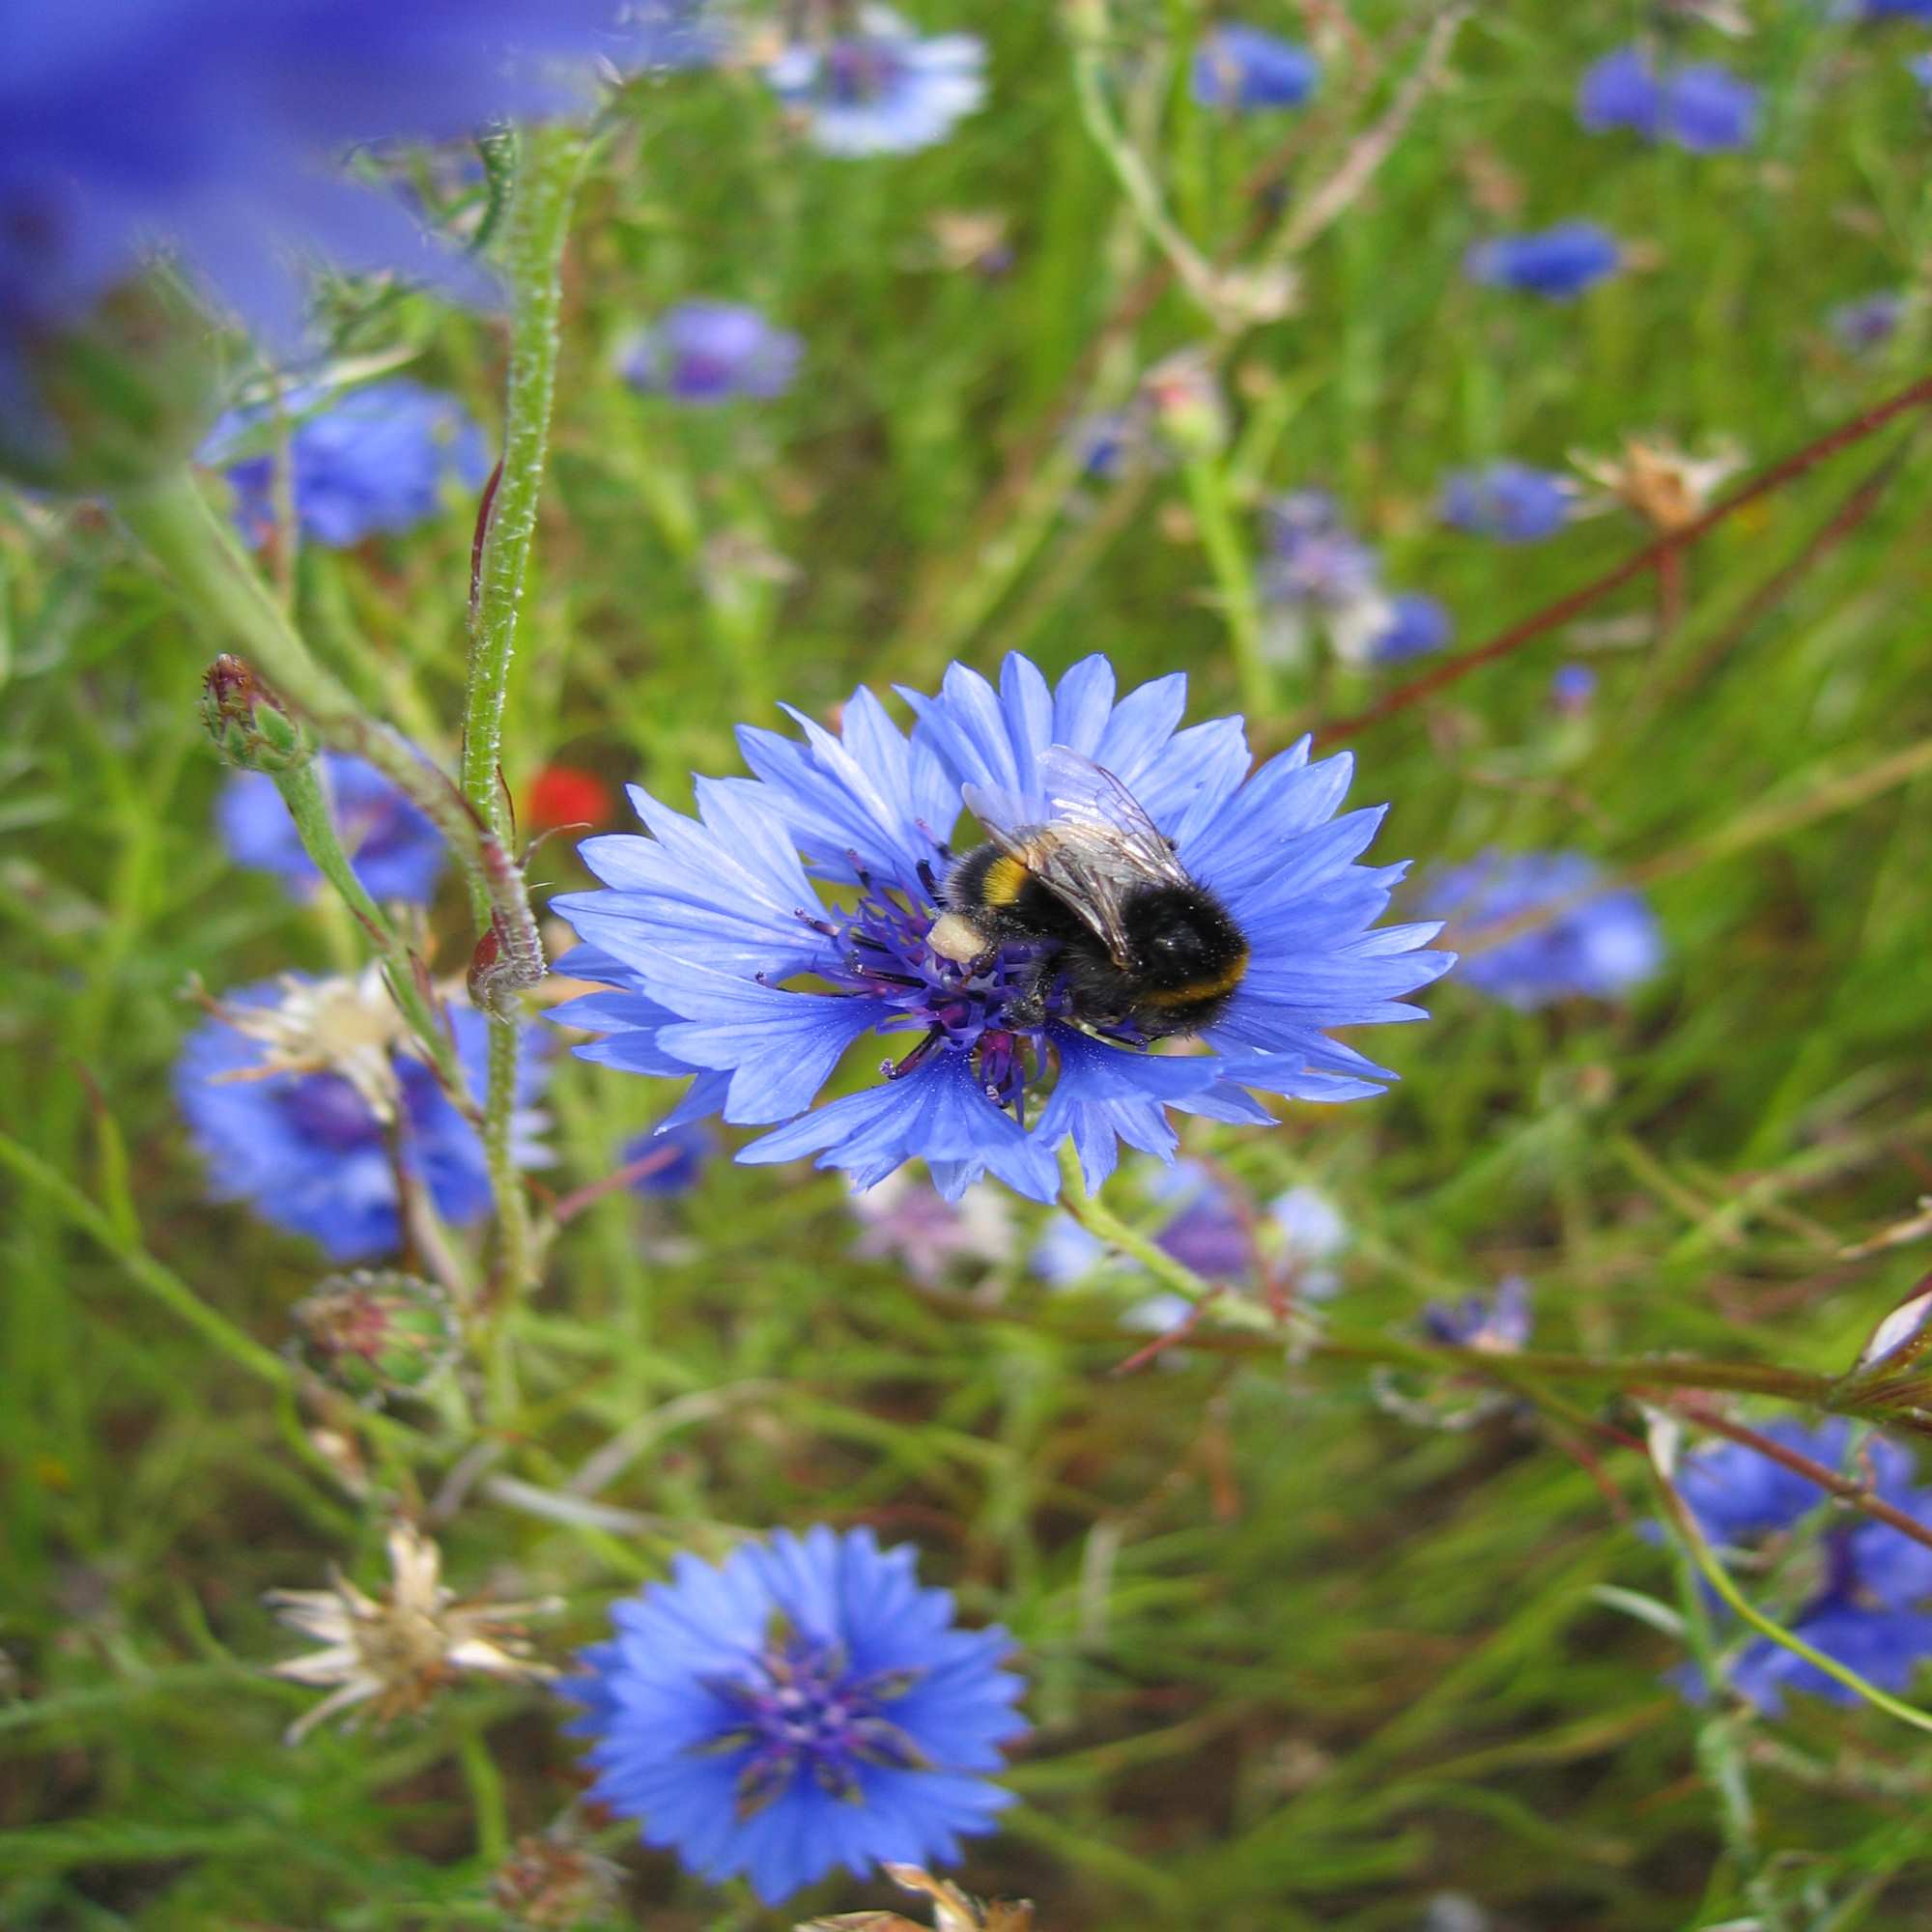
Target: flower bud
{"points": [[117, 398], [248, 723], [376, 1332], [1185, 400]]}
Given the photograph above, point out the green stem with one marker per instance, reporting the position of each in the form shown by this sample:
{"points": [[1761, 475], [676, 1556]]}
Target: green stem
{"points": [[1241, 606], [213, 573], [548, 164], [1330, 1342], [301, 792]]}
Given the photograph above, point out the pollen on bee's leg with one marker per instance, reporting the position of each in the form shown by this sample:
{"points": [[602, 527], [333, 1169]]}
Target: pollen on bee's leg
{"points": [[956, 938]]}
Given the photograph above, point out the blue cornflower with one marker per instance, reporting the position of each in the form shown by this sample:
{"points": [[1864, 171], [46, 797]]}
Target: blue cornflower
{"points": [[1620, 90], [1572, 687], [207, 128], [1868, 323], [1498, 1324], [394, 849], [679, 1151], [1241, 67], [1510, 501], [1708, 110], [803, 1705], [1866, 1607], [1417, 625], [1599, 948], [883, 89], [1559, 262], [706, 352], [1314, 559], [384, 458], [294, 1091], [726, 959]]}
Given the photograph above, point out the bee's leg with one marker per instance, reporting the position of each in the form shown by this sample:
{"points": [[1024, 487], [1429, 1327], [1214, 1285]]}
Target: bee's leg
{"points": [[897, 1070]]}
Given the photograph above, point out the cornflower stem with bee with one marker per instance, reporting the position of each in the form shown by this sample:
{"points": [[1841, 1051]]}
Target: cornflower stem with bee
{"points": [[548, 164]]}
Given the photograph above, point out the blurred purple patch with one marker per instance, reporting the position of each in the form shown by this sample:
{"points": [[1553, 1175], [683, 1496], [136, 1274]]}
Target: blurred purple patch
{"points": [[1559, 263], [1708, 110], [1869, 323], [1418, 625], [1498, 1324], [1314, 558], [1571, 689], [708, 353], [1243, 67], [381, 459], [883, 89], [1510, 501], [681, 1152], [1620, 90]]}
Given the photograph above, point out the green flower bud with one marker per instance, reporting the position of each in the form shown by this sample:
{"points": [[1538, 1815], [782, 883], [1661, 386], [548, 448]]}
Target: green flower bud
{"points": [[246, 722], [376, 1332], [116, 399]]}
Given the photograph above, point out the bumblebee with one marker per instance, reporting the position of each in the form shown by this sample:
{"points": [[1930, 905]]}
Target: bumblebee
{"points": [[1123, 933]]}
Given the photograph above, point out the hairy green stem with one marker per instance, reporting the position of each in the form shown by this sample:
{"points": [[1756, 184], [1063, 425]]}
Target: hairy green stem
{"points": [[301, 792], [548, 162]]}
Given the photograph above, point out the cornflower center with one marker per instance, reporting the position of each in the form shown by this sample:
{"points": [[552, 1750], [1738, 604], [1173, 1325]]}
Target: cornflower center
{"points": [[994, 1007], [802, 1711], [860, 71]]}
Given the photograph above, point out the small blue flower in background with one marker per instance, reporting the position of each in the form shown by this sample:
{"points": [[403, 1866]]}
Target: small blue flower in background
{"points": [[206, 129], [381, 459], [706, 352], [1703, 108], [1868, 323], [1497, 1324], [883, 89], [656, 36], [1620, 90], [907, 1220], [1314, 559], [1572, 687], [1417, 626], [392, 847], [288, 1093], [1708, 110], [1241, 67], [1920, 66], [706, 927], [1510, 501], [1888, 9], [1597, 949], [1865, 1607], [1559, 262], [803, 1705], [680, 1154]]}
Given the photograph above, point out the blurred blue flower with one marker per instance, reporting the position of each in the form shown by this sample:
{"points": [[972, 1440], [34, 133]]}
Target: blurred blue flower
{"points": [[287, 1092], [883, 89], [392, 847], [1313, 558], [652, 35], [1510, 501], [1888, 9], [1868, 323], [1865, 1611], [1920, 66], [803, 1705], [681, 1152], [1702, 107], [207, 127], [707, 926], [1241, 67], [1417, 625], [1110, 442], [1599, 949], [707, 352], [1620, 90], [1559, 262], [905, 1219], [1708, 110], [1572, 687], [381, 458], [1497, 1324]]}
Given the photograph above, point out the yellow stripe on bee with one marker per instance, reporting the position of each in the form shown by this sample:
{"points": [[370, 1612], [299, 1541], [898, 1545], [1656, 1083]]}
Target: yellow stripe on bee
{"points": [[1224, 982], [1005, 881]]}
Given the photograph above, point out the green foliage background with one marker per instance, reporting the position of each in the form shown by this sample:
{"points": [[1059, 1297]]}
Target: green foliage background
{"points": [[1295, 1662]]}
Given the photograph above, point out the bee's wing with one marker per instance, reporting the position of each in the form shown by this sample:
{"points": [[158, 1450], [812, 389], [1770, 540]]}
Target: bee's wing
{"points": [[1090, 842]]}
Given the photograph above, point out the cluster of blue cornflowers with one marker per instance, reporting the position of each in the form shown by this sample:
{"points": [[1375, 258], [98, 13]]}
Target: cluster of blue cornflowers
{"points": [[1699, 106]]}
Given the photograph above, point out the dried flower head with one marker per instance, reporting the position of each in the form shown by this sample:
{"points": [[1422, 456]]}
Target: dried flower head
{"points": [[953, 1911], [396, 1653], [549, 1884], [344, 1026], [1668, 488], [374, 1331]]}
